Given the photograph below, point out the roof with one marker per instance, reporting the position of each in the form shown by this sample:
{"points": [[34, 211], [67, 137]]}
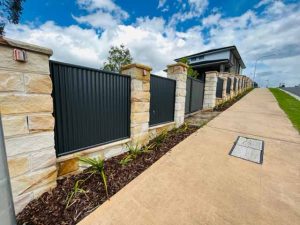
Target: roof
{"points": [[231, 48]]}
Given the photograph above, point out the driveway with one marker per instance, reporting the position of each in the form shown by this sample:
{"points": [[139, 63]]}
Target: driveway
{"points": [[199, 183]]}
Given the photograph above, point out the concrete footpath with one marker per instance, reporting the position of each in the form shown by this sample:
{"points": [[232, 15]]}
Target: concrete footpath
{"points": [[199, 183]]}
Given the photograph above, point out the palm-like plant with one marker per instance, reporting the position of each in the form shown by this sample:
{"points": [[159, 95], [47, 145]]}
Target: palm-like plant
{"points": [[96, 166], [75, 191]]}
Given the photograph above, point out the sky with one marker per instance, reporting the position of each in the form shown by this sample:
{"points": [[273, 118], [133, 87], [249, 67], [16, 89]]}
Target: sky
{"points": [[158, 31]]}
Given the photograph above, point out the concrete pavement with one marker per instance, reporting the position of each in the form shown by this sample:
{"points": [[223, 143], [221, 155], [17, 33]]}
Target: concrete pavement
{"points": [[199, 183]]}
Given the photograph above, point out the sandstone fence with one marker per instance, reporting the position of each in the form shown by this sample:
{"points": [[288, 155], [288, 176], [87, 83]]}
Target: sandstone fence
{"points": [[28, 123]]}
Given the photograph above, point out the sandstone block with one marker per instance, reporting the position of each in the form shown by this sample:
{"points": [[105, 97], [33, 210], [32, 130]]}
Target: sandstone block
{"points": [[140, 107], [11, 81], [20, 103], [139, 128], [180, 92], [38, 192], [40, 122], [146, 86], [136, 85], [18, 165], [140, 117], [36, 62], [28, 182], [29, 143], [38, 83], [114, 151], [42, 159], [140, 96], [141, 139], [137, 73], [14, 125], [21, 201], [68, 166]]}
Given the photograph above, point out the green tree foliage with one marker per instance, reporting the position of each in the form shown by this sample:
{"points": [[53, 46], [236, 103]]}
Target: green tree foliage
{"points": [[10, 11], [118, 56], [190, 72]]}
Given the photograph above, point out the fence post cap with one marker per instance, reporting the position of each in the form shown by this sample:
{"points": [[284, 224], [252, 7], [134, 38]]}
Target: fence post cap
{"points": [[178, 64], [211, 73], [25, 46], [137, 65]]}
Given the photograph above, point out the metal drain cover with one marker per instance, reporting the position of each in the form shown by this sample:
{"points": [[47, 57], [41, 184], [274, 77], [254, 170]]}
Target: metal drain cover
{"points": [[249, 149]]}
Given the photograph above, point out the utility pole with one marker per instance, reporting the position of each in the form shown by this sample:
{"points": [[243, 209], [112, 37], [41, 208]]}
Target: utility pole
{"points": [[259, 58]]}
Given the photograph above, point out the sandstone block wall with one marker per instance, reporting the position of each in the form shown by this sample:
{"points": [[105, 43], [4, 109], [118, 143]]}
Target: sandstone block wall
{"points": [[26, 108]]}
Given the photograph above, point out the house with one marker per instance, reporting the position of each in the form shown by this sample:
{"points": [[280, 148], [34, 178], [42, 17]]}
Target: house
{"points": [[226, 59]]}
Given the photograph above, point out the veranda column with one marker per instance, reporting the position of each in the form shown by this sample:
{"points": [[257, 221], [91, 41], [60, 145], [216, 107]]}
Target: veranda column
{"points": [[178, 71], [210, 89], [140, 101], [26, 107]]}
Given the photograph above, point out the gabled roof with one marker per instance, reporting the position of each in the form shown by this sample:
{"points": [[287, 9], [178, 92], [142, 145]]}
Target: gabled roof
{"points": [[231, 48]]}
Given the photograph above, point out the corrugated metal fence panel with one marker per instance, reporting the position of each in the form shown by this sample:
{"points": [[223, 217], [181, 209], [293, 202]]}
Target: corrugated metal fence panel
{"points": [[197, 95], [188, 95], [91, 107], [194, 95], [162, 100], [234, 84], [228, 85], [219, 92]]}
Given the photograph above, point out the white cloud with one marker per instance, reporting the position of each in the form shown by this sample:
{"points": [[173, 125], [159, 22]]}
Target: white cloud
{"points": [[195, 9], [153, 42], [161, 3], [101, 13]]}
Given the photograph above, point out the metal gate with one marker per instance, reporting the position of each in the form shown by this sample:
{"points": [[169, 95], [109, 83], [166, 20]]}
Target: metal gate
{"points": [[194, 95], [234, 84], [162, 100], [91, 107]]}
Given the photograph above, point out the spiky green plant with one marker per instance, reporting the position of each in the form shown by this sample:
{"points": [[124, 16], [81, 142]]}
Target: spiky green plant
{"points": [[160, 138], [134, 151], [183, 128], [74, 192], [96, 166]]}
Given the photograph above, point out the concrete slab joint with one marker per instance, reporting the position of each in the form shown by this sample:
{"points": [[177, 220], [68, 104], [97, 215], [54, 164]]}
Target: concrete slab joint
{"points": [[26, 109], [178, 72]]}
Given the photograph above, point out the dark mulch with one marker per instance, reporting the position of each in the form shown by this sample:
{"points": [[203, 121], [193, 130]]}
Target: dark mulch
{"points": [[225, 105], [50, 208]]}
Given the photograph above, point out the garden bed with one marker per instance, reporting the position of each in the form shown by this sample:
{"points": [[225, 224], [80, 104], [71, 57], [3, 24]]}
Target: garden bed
{"points": [[50, 208], [225, 105]]}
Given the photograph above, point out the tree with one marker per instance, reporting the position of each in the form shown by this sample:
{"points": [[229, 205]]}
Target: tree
{"points": [[10, 12], [118, 56], [190, 72]]}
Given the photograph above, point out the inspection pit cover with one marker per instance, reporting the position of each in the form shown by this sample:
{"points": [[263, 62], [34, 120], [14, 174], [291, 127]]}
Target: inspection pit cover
{"points": [[248, 149]]}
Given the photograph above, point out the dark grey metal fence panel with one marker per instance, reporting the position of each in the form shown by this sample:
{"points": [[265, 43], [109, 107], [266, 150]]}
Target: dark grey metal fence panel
{"points": [[188, 95], [234, 84], [228, 86], [194, 95], [219, 92], [91, 107], [162, 100], [7, 213]]}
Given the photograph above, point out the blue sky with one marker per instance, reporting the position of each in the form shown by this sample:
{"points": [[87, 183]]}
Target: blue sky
{"points": [[158, 31]]}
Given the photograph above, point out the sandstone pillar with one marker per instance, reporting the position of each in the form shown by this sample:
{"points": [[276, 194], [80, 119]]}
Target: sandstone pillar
{"points": [[26, 107], [210, 89], [140, 101], [178, 72]]}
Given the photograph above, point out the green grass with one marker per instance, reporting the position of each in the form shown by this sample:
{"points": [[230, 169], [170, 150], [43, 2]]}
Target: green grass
{"points": [[289, 105]]}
